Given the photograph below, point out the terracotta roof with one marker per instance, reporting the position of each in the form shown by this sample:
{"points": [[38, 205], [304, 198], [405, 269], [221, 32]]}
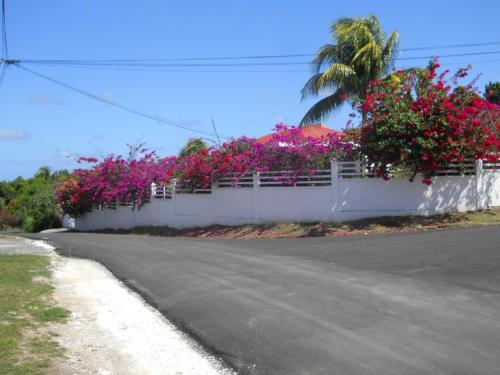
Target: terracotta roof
{"points": [[314, 130]]}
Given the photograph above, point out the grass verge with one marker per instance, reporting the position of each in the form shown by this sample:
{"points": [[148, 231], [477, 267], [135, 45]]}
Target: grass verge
{"points": [[386, 224], [26, 308]]}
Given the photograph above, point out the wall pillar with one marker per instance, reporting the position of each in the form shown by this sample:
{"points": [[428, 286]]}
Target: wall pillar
{"points": [[213, 201], [256, 197], [480, 192], [335, 192]]}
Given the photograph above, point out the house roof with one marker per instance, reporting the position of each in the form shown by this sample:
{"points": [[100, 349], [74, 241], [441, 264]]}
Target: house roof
{"points": [[313, 130]]}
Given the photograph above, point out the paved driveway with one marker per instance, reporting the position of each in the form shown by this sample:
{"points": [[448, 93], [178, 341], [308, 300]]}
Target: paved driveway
{"points": [[425, 303]]}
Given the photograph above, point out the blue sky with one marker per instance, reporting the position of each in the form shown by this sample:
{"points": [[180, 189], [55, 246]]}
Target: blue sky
{"points": [[43, 124]]}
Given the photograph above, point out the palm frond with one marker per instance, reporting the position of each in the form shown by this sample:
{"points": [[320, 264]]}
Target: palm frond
{"points": [[369, 52], [311, 87], [373, 24], [325, 55], [322, 108], [360, 53], [342, 22], [336, 75], [390, 50], [356, 35]]}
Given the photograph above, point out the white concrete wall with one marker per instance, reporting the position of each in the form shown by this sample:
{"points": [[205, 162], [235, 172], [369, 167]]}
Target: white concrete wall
{"points": [[346, 199], [368, 197], [489, 188]]}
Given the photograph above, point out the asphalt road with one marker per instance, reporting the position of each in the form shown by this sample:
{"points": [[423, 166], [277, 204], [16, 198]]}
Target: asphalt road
{"points": [[422, 303]]}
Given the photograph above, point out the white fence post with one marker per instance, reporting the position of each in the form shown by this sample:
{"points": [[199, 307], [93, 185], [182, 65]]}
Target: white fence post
{"points": [[480, 198], [153, 190], [334, 204], [213, 198], [256, 197], [174, 200]]}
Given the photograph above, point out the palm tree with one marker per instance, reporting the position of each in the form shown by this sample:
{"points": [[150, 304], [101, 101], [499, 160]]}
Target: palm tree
{"points": [[193, 146], [361, 53], [43, 173]]}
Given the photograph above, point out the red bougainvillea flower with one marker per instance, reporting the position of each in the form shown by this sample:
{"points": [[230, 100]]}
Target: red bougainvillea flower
{"points": [[420, 122]]}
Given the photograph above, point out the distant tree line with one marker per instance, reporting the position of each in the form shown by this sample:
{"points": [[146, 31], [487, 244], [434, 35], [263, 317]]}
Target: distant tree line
{"points": [[30, 204]]}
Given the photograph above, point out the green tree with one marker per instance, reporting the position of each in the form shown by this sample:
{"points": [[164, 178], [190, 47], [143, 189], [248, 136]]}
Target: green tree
{"points": [[492, 92], [42, 211], [193, 146], [60, 176], [43, 173], [359, 54], [30, 203]]}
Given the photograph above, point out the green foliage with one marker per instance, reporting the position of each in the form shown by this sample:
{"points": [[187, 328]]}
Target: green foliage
{"points": [[193, 146], [492, 92], [31, 204], [360, 54]]}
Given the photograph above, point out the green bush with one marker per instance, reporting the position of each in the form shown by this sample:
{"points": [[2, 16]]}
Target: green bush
{"points": [[31, 204]]}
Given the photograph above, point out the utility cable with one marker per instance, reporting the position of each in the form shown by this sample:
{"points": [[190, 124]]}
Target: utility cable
{"points": [[222, 70], [243, 64], [113, 103], [248, 57], [5, 48]]}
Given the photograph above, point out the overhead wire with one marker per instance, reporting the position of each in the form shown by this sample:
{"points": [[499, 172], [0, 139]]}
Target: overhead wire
{"points": [[90, 63], [187, 70], [113, 103], [247, 57], [5, 48], [137, 64]]}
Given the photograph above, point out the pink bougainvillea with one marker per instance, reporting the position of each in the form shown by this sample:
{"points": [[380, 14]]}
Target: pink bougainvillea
{"points": [[129, 179]]}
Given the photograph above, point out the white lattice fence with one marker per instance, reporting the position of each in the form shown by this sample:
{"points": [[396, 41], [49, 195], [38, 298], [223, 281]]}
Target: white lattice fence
{"points": [[236, 181], [360, 169], [354, 169], [161, 192], [466, 168], [491, 165], [321, 177]]}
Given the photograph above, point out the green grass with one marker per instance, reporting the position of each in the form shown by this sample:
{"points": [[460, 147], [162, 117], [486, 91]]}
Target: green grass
{"points": [[26, 308], [387, 224]]}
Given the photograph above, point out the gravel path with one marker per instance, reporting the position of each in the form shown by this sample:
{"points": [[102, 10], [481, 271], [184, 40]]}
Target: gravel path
{"points": [[16, 245], [111, 329]]}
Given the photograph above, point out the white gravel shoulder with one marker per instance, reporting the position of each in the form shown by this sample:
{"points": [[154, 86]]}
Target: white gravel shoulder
{"points": [[17, 245], [111, 329]]}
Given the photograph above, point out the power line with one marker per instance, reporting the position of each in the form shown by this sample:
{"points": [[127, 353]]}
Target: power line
{"points": [[222, 70], [247, 57], [93, 63], [5, 49], [450, 55], [450, 46], [113, 103]]}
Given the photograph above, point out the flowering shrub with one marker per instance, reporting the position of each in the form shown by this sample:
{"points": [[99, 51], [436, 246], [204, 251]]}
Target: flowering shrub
{"points": [[420, 122], [72, 198], [129, 180], [288, 150]]}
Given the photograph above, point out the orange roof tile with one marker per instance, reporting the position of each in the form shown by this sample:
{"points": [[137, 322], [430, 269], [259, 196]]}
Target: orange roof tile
{"points": [[314, 130]]}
